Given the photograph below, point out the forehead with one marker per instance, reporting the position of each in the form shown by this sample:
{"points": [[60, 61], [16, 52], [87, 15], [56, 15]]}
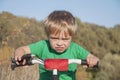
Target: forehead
{"points": [[61, 34]]}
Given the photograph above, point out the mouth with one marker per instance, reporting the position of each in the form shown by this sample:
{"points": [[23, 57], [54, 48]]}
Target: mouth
{"points": [[60, 49]]}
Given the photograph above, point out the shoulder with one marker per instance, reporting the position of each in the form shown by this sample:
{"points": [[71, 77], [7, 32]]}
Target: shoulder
{"points": [[39, 43], [79, 51], [76, 46], [73, 44], [38, 47]]}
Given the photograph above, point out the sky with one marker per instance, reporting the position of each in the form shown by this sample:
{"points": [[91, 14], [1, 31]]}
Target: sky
{"points": [[101, 12]]}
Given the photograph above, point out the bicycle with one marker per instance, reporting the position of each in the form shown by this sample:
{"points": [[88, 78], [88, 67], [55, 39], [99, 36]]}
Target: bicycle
{"points": [[49, 64]]}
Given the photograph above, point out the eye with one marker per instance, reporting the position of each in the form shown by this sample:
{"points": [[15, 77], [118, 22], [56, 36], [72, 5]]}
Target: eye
{"points": [[65, 38], [54, 38]]}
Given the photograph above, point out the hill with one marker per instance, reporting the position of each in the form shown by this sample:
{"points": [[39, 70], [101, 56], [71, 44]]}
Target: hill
{"points": [[103, 42]]}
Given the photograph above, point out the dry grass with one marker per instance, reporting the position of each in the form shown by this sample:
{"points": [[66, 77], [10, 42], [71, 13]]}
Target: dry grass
{"points": [[28, 73], [82, 74]]}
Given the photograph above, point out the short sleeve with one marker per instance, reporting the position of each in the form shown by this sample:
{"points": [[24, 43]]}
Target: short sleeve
{"points": [[37, 48], [80, 52]]}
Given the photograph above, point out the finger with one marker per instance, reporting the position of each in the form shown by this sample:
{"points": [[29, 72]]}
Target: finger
{"points": [[24, 62], [17, 62], [88, 61], [19, 58], [16, 58], [85, 66], [91, 62]]}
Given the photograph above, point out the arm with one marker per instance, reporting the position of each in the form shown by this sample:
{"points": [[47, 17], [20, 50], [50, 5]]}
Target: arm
{"points": [[92, 60], [19, 52]]}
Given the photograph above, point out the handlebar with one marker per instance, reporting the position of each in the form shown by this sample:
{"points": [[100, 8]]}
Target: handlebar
{"points": [[49, 64], [31, 59]]}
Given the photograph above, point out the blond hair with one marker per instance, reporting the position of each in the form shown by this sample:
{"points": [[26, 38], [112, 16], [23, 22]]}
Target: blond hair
{"points": [[59, 21]]}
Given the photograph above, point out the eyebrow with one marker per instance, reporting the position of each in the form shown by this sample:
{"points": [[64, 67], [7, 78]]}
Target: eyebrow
{"points": [[58, 37]]}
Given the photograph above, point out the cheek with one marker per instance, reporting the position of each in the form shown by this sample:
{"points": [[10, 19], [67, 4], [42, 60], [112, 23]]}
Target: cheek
{"points": [[67, 44], [52, 43]]}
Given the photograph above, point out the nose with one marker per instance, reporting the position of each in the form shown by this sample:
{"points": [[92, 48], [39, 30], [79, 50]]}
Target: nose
{"points": [[59, 42]]}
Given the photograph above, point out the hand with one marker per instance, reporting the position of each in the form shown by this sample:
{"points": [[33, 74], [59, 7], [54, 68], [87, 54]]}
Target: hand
{"points": [[18, 55], [92, 60]]}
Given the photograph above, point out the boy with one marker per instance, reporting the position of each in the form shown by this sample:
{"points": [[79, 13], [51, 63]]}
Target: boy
{"points": [[60, 26]]}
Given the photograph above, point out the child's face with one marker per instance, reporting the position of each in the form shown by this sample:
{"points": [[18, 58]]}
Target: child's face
{"points": [[60, 42]]}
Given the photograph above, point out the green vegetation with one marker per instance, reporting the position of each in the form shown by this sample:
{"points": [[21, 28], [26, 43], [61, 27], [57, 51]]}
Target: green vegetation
{"points": [[103, 42]]}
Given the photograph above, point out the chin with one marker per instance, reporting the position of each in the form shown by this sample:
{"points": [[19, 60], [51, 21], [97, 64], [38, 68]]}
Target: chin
{"points": [[59, 51]]}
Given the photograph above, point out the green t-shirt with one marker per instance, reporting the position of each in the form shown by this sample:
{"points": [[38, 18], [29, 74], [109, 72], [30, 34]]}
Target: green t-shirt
{"points": [[43, 51]]}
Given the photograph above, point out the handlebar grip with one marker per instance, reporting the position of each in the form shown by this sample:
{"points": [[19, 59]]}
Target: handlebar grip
{"points": [[28, 59], [96, 66], [84, 62]]}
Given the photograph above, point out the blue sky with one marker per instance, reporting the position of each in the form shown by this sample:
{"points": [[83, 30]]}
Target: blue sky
{"points": [[101, 12]]}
